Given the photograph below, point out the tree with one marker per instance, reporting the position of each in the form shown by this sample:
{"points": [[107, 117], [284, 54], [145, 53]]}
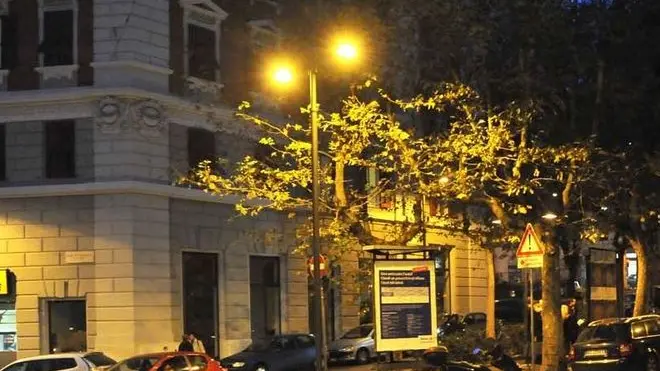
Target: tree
{"points": [[497, 158]]}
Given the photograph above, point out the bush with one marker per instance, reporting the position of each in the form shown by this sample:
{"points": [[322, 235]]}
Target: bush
{"points": [[461, 344]]}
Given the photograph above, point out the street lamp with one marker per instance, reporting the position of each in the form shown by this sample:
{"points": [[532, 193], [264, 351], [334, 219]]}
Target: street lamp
{"points": [[344, 50]]}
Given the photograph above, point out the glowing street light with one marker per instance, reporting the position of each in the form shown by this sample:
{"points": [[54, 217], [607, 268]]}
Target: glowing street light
{"points": [[346, 51], [283, 74]]}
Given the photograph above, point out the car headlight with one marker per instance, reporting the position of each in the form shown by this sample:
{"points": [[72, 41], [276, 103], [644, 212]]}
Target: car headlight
{"points": [[347, 349], [238, 364]]}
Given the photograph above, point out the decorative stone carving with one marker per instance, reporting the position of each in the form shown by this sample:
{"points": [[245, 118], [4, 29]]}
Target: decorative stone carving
{"points": [[144, 116], [111, 115], [149, 116]]}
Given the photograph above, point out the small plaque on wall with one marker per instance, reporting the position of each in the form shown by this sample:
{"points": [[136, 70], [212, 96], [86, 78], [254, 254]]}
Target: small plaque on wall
{"points": [[78, 257]]}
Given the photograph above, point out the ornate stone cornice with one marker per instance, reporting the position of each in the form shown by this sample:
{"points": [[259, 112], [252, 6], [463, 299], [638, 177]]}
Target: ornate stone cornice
{"points": [[151, 110], [144, 116]]}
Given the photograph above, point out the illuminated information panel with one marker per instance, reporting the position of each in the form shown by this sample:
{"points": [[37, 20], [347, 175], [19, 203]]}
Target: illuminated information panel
{"points": [[405, 307]]}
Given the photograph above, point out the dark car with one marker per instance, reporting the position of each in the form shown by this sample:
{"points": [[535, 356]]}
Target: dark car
{"points": [[618, 344], [280, 353], [456, 324]]}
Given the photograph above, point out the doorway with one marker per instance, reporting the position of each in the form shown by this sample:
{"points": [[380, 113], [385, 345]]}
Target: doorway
{"points": [[64, 324], [265, 301], [200, 298]]}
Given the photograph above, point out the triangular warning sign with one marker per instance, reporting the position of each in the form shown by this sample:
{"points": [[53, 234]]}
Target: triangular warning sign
{"points": [[530, 244]]}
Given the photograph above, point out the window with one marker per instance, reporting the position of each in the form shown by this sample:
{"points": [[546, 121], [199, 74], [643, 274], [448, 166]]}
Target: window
{"points": [[201, 146], [17, 367], [202, 62], [60, 149], [137, 363], [197, 363], [202, 37], [652, 327], [8, 341], [99, 360], [61, 364], [304, 342], [174, 364], [67, 326], [57, 32], [3, 154], [8, 42]]}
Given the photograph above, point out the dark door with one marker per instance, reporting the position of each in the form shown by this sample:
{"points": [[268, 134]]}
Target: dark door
{"points": [[67, 326], [264, 296], [200, 298]]}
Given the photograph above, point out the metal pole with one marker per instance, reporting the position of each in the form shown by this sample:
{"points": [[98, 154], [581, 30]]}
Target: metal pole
{"points": [[317, 312], [531, 319]]}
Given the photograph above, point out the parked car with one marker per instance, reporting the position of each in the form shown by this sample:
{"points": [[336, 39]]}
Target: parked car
{"points": [[455, 323], [92, 361], [280, 353], [356, 345], [618, 344], [169, 361]]}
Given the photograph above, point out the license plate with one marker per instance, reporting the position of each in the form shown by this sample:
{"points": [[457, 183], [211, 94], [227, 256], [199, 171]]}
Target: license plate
{"points": [[595, 353]]}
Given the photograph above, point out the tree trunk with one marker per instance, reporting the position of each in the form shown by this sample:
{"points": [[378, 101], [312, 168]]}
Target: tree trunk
{"points": [[641, 294], [490, 296], [553, 329]]}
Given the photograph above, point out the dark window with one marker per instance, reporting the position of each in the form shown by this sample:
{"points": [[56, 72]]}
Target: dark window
{"points": [[197, 363], [604, 332], [264, 296], [61, 364], [201, 53], [174, 364], [201, 146], [652, 327], [99, 359], [358, 332], [67, 326], [17, 367], [304, 341], [3, 154], [135, 364], [57, 46], [8, 43], [60, 149]]}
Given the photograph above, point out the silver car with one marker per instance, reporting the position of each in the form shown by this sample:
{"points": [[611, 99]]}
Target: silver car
{"points": [[356, 345]]}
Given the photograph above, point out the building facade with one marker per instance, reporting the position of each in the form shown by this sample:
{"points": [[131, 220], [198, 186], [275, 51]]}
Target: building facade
{"points": [[99, 113], [103, 104]]}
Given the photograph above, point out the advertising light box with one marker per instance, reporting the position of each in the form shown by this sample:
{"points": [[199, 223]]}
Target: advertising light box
{"points": [[405, 305]]}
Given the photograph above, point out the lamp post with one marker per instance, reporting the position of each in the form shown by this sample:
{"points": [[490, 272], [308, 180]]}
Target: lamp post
{"points": [[283, 74]]}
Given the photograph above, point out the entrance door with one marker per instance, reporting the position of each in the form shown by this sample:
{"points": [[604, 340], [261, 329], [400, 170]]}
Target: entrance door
{"points": [[200, 298], [66, 324], [265, 301]]}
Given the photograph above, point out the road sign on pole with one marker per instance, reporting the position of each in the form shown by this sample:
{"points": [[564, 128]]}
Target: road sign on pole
{"points": [[530, 251]]}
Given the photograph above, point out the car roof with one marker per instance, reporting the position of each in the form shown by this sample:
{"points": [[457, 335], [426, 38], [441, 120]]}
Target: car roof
{"points": [[614, 320], [53, 356]]}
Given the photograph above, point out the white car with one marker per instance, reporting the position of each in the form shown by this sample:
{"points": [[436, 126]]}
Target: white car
{"points": [[92, 361]]}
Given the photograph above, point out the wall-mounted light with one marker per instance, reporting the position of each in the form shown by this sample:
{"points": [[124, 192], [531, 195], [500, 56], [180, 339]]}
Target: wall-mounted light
{"points": [[496, 221]]}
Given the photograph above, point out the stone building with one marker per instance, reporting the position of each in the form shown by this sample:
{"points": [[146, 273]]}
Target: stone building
{"points": [[102, 105], [96, 120]]}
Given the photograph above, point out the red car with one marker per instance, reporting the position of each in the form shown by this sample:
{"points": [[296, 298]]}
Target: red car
{"points": [[169, 361]]}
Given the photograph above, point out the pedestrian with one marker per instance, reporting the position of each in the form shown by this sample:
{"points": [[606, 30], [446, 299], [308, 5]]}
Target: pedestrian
{"points": [[571, 326], [197, 344], [185, 345]]}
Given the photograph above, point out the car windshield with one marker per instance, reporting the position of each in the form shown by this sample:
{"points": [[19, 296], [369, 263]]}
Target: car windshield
{"points": [[265, 345], [99, 359], [602, 332], [136, 364], [358, 332]]}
